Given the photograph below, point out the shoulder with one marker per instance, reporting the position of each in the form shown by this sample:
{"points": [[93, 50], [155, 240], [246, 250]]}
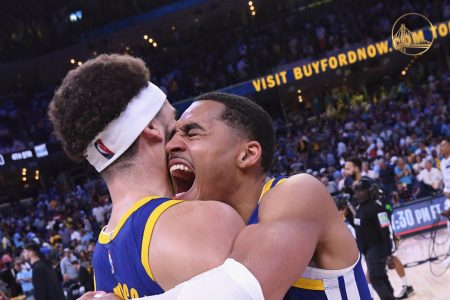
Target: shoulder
{"points": [[39, 267], [199, 213], [190, 238], [300, 194]]}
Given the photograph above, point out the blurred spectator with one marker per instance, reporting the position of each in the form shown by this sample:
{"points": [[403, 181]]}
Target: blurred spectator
{"points": [[68, 271], [86, 279], [99, 214], [45, 283], [8, 276], [430, 180], [331, 186], [24, 278], [387, 179], [404, 177]]}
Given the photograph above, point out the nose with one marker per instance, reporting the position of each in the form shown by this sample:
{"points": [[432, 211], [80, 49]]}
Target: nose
{"points": [[175, 144]]}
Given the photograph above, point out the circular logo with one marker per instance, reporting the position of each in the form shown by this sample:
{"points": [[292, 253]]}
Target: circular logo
{"points": [[412, 34]]}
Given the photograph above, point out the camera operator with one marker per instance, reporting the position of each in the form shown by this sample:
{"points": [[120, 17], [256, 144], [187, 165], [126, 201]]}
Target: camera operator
{"points": [[374, 236]]}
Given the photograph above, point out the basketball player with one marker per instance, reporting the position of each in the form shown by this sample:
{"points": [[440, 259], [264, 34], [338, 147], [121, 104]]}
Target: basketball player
{"points": [[222, 149], [126, 239], [108, 112]]}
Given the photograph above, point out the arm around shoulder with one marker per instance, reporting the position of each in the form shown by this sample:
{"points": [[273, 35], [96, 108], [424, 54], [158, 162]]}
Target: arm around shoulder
{"points": [[280, 246], [190, 238]]}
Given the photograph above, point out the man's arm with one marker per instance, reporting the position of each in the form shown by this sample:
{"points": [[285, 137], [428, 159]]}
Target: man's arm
{"points": [[292, 218], [384, 226], [190, 238]]}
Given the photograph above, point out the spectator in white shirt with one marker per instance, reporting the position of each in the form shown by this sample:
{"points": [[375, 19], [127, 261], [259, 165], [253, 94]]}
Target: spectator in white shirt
{"points": [[99, 214], [430, 180], [75, 235]]}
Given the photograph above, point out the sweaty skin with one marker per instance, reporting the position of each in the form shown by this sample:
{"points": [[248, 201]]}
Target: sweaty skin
{"points": [[299, 224]]}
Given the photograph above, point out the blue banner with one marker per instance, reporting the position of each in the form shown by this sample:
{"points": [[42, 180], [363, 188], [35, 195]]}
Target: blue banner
{"points": [[419, 215]]}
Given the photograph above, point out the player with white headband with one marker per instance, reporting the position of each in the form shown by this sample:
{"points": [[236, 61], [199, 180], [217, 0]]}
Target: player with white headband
{"points": [[153, 244], [107, 112]]}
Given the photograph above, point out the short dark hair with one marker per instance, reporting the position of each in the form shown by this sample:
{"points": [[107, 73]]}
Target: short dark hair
{"points": [[245, 115], [93, 95], [356, 161], [33, 247]]}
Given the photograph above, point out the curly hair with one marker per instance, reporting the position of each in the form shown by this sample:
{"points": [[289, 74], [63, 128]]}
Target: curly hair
{"points": [[93, 95]]}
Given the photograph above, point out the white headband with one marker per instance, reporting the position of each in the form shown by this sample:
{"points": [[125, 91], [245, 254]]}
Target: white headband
{"points": [[118, 136]]}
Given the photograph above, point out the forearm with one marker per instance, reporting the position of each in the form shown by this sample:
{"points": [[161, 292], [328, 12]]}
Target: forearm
{"points": [[229, 281], [387, 241], [276, 253]]}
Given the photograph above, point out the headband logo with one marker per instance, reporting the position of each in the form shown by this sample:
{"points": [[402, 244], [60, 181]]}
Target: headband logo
{"points": [[103, 150]]}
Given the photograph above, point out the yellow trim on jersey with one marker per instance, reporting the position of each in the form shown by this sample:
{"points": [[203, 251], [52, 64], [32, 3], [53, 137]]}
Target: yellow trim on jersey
{"points": [[267, 187], [148, 231], [105, 238], [95, 284], [309, 284]]}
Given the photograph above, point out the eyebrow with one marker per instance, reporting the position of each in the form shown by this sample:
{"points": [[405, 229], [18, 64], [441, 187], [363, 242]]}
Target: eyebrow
{"points": [[192, 125]]}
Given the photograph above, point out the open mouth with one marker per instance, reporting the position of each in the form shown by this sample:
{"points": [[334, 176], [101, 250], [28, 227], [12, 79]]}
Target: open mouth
{"points": [[183, 176]]}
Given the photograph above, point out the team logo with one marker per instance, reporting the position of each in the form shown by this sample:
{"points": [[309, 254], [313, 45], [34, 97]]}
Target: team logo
{"points": [[111, 262], [412, 34], [103, 150]]}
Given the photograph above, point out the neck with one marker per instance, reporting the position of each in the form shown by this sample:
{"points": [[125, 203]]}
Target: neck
{"points": [[34, 259], [245, 196], [358, 176], [138, 183]]}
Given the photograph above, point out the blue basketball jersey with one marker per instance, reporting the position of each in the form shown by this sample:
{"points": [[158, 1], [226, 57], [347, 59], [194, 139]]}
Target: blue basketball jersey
{"points": [[319, 284], [120, 258]]}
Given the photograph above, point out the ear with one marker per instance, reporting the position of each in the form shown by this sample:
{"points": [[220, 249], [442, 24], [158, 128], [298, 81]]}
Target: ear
{"points": [[250, 155], [152, 134]]}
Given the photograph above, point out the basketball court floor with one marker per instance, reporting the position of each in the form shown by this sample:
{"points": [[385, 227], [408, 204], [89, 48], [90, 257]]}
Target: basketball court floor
{"points": [[426, 285]]}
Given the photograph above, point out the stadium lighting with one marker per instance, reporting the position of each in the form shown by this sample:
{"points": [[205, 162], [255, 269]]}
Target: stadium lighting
{"points": [[72, 61], [300, 99], [80, 63], [36, 177], [250, 3], [24, 179], [253, 13], [174, 28], [299, 91], [155, 44], [403, 72], [145, 37], [252, 8], [76, 16], [150, 40]]}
